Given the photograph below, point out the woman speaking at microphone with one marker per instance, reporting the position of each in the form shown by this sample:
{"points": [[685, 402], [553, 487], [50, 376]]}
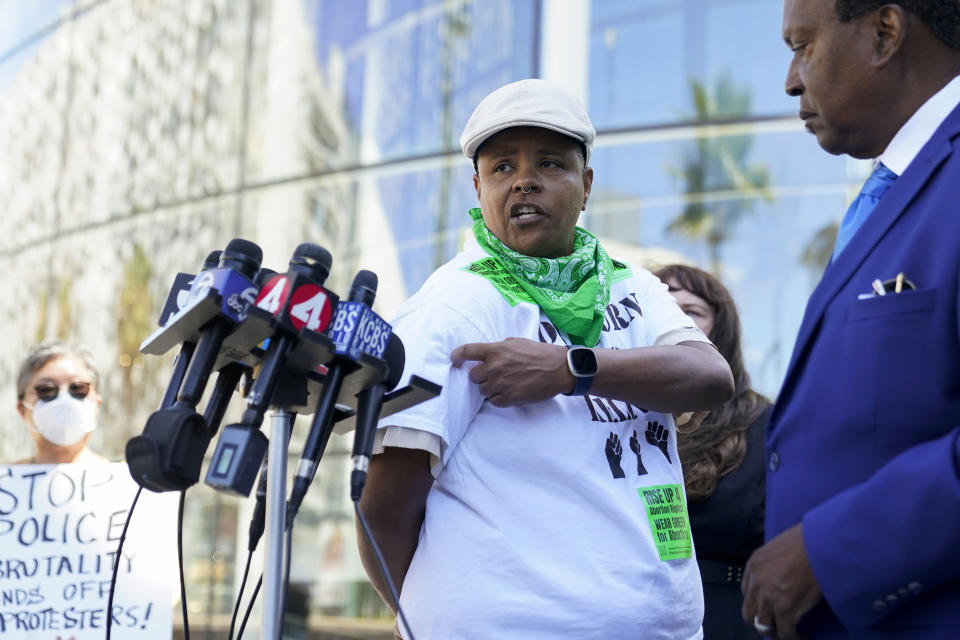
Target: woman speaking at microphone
{"points": [[540, 495], [58, 400]]}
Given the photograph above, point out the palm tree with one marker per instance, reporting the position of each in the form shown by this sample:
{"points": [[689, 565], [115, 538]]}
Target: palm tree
{"points": [[136, 319], [455, 29], [720, 186], [816, 254]]}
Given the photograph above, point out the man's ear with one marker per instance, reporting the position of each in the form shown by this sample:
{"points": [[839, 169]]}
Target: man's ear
{"points": [[889, 24], [476, 185], [22, 409]]}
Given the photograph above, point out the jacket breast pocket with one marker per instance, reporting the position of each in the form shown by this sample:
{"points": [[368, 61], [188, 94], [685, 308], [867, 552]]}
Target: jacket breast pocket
{"points": [[893, 304], [889, 348]]}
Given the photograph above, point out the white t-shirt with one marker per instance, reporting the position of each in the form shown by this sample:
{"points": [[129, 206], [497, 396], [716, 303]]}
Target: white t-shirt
{"points": [[540, 523]]}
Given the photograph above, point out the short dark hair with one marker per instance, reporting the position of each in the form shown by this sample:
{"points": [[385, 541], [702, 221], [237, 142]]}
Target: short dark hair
{"points": [[583, 154], [942, 16]]}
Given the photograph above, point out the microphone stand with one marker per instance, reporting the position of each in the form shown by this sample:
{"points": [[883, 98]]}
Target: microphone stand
{"points": [[372, 372], [273, 560]]}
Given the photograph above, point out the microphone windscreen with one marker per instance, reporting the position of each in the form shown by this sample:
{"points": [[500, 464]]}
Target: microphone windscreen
{"points": [[245, 248], [395, 357], [213, 259], [243, 256], [314, 252], [315, 258], [364, 287]]}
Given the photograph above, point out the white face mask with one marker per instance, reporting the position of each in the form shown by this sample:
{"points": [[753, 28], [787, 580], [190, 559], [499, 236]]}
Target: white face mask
{"points": [[65, 420]]}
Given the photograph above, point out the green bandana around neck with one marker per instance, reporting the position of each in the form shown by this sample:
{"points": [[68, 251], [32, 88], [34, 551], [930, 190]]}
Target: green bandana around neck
{"points": [[572, 290]]}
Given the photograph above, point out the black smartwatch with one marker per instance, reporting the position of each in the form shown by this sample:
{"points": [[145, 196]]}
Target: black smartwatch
{"points": [[582, 362]]}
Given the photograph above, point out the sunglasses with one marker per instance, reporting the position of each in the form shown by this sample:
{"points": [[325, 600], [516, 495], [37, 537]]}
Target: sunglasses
{"points": [[47, 391]]}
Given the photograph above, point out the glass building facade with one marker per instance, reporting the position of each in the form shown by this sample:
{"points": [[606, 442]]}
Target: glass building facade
{"points": [[138, 135]]}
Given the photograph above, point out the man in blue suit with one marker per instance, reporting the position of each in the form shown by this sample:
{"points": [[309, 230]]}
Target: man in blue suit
{"points": [[863, 446]]}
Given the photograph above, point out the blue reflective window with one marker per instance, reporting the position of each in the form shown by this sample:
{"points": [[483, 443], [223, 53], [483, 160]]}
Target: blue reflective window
{"points": [[21, 21], [416, 69], [645, 55]]}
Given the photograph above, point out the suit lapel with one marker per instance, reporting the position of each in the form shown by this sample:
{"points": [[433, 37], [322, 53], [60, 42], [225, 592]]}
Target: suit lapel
{"points": [[878, 224]]}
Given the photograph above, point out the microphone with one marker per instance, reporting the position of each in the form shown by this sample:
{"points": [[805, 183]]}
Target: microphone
{"points": [[227, 380], [229, 374], [258, 518], [169, 453], [369, 403], [300, 306], [356, 330], [232, 279], [176, 300], [299, 309]]}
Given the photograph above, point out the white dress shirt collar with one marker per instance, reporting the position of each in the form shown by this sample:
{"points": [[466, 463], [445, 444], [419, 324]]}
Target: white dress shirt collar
{"points": [[911, 137]]}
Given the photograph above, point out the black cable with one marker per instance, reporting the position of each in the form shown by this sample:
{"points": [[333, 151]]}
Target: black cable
{"points": [[243, 584], [383, 567], [256, 590], [183, 583], [253, 598], [257, 522], [116, 562]]}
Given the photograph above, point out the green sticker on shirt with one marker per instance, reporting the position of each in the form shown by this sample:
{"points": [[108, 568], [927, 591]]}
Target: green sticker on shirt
{"points": [[669, 523]]}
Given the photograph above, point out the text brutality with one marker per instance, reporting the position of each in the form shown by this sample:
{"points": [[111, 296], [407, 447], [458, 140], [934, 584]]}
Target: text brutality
{"points": [[61, 565]]}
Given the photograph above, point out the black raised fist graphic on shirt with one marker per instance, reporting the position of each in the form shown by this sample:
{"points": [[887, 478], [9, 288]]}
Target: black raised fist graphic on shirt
{"points": [[635, 447], [659, 436], [614, 452]]}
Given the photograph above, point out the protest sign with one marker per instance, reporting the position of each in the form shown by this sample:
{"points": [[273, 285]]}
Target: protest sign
{"points": [[60, 528]]}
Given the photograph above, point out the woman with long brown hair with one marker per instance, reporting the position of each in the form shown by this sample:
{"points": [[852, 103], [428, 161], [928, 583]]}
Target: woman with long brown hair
{"points": [[723, 460]]}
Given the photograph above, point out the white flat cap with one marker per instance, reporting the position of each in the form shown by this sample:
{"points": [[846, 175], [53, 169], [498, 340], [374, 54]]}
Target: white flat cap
{"points": [[528, 103]]}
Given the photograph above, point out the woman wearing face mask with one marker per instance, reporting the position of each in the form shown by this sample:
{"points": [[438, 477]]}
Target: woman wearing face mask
{"points": [[58, 400]]}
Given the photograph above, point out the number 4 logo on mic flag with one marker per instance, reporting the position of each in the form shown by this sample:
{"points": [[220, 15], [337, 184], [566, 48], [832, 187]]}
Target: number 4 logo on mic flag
{"points": [[274, 294], [310, 307]]}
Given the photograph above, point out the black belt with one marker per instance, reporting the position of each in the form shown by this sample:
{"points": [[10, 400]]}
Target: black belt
{"points": [[714, 572]]}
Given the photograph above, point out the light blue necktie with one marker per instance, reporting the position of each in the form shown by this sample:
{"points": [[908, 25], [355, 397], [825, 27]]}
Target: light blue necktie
{"points": [[873, 189]]}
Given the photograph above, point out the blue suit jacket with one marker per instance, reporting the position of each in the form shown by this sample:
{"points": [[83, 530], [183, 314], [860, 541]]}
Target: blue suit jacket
{"points": [[863, 444]]}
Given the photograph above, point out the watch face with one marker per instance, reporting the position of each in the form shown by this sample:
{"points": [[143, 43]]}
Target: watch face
{"points": [[583, 361]]}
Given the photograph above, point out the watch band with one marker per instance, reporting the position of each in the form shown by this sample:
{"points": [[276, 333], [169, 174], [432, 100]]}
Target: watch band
{"points": [[581, 387]]}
